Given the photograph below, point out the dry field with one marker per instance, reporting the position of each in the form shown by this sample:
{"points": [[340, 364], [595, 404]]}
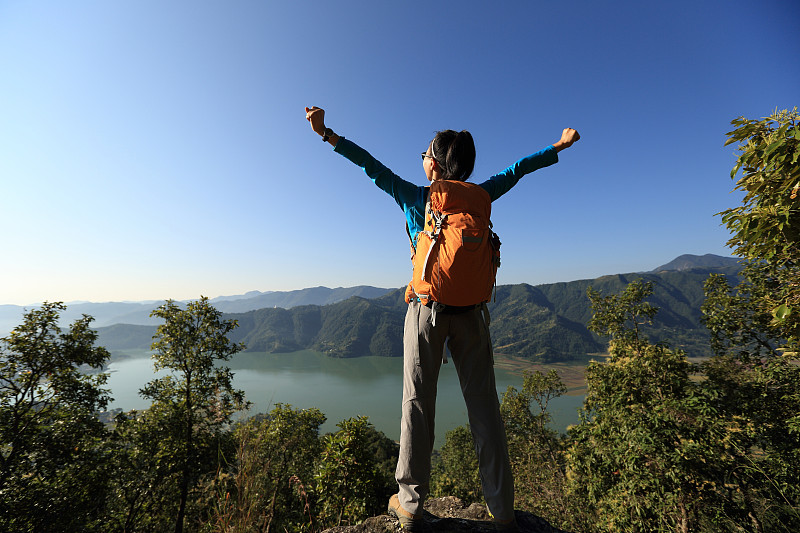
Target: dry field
{"points": [[572, 373]]}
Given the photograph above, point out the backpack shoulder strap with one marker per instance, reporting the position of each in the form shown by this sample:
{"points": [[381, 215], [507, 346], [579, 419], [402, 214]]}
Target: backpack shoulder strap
{"points": [[427, 198]]}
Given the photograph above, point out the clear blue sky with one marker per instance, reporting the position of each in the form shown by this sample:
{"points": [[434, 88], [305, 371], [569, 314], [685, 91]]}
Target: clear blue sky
{"points": [[153, 150]]}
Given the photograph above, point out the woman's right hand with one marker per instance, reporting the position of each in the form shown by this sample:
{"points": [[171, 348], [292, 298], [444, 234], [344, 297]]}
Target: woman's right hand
{"points": [[568, 137], [316, 117]]}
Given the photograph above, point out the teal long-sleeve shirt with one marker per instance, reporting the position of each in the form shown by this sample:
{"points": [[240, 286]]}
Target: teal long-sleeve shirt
{"points": [[411, 198]]}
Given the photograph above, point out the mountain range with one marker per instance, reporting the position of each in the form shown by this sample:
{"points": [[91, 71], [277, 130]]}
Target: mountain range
{"points": [[544, 323], [138, 313]]}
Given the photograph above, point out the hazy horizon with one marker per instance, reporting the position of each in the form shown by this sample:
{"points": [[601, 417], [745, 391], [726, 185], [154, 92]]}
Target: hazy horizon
{"points": [[312, 286]]}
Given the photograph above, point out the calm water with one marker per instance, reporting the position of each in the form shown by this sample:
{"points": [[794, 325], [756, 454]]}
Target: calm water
{"points": [[340, 388]]}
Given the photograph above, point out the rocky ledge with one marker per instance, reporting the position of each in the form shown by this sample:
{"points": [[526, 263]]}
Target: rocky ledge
{"points": [[450, 515]]}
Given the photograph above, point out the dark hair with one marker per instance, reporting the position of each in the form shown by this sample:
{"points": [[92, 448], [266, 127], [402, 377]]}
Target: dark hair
{"points": [[455, 152]]}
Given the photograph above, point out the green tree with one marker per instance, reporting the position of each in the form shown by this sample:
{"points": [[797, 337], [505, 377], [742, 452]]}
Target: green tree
{"points": [[755, 326], [759, 402], [620, 316], [349, 484], [739, 324], [275, 454], [52, 457], [646, 455], [193, 405], [757, 392], [766, 227], [144, 487], [536, 451], [455, 473]]}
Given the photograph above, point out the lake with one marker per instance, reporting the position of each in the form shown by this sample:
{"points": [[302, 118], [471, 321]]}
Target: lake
{"points": [[340, 388]]}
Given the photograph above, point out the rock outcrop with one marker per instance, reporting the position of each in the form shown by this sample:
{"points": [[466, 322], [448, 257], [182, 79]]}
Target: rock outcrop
{"points": [[450, 515]]}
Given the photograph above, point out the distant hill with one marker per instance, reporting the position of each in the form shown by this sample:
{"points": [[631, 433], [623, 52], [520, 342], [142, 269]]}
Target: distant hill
{"points": [[138, 313], [126, 337], [689, 261], [289, 299], [351, 328], [544, 323]]}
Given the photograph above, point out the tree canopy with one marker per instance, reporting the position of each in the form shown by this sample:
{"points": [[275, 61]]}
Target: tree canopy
{"points": [[766, 227]]}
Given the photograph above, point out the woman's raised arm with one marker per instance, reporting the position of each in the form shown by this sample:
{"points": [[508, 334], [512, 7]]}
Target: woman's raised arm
{"points": [[316, 117]]}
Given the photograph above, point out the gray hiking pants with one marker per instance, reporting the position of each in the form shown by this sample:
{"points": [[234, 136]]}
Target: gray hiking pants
{"points": [[467, 337]]}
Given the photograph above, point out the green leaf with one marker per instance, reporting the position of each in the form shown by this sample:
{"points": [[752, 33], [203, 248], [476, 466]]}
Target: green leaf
{"points": [[772, 147], [782, 311]]}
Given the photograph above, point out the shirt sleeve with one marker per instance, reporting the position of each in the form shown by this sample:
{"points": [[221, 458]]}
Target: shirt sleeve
{"points": [[410, 197], [501, 183]]}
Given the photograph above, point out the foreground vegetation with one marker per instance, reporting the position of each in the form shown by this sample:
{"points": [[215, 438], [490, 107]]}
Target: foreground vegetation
{"points": [[180, 465], [662, 444]]}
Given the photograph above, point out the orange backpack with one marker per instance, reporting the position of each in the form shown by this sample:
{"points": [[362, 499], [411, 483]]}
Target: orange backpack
{"points": [[457, 254]]}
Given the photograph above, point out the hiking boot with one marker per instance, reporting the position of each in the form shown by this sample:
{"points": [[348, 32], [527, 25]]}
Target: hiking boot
{"points": [[504, 525], [408, 521]]}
